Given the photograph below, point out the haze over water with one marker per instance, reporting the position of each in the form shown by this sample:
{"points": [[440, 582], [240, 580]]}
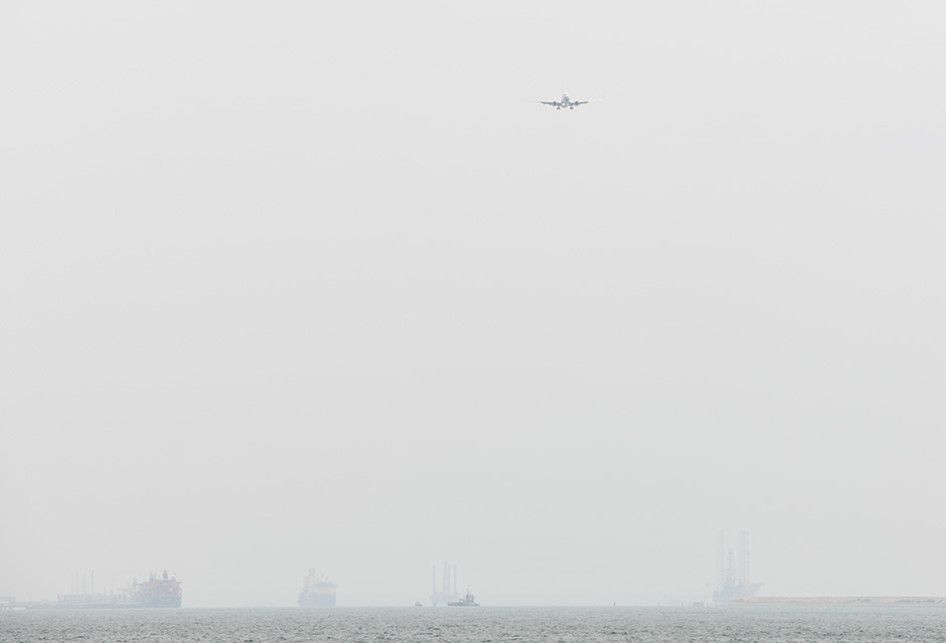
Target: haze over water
{"points": [[321, 285]]}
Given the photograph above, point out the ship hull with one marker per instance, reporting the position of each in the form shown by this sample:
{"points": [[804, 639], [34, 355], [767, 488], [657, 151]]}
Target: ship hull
{"points": [[161, 602], [467, 601], [317, 600]]}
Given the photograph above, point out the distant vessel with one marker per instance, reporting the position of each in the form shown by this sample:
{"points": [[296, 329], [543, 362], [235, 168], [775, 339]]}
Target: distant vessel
{"points": [[317, 591], [163, 591], [157, 592], [467, 601]]}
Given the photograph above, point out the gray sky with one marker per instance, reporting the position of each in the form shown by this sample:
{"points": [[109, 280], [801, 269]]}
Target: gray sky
{"points": [[318, 284]]}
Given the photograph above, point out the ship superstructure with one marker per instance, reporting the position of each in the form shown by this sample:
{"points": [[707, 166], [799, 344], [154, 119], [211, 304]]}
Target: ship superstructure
{"points": [[157, 591], [317, 591]]}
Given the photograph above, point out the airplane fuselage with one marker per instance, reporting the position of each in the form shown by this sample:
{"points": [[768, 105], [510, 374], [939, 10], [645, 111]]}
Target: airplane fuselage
{"points": [[564, 103]]}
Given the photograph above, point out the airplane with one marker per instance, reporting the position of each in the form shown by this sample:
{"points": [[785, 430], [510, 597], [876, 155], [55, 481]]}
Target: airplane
{"points": [[564, 102]]}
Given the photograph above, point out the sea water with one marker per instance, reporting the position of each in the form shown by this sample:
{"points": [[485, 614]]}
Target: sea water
{"points": [[749, 624]]}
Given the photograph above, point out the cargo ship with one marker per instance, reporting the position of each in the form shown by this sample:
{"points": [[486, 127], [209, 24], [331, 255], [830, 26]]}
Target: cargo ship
{"points": [[157, 592], [317, 591]]}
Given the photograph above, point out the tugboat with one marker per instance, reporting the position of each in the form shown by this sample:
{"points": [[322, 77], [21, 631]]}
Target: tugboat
{"points": [[467, 601]]}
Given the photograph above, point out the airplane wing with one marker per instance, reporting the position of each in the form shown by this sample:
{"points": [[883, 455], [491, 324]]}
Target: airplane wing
{"points": [[553, 103], [580, 102]]}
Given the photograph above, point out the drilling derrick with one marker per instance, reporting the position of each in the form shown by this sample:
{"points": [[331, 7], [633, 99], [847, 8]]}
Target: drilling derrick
{"points": [[733, 582], [447, 592]]}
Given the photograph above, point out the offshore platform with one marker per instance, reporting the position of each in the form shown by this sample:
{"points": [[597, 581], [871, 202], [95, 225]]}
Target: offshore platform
{"points": [[732, 569], [447, 593]]}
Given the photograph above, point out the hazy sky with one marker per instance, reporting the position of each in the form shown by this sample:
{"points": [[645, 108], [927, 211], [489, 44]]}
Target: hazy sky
{"points": [[318, 284]]}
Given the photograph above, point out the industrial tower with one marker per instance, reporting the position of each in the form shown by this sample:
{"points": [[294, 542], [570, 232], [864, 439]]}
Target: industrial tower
{"points": [[732, 569], [448, 585]]}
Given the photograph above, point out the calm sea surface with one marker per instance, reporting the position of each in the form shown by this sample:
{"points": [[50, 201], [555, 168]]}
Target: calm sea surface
{"points": [[479, 624]]}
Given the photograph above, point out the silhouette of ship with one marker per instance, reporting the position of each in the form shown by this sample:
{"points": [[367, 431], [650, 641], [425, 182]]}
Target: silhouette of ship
{"points": [[467, 601], [157, 592], [317, 591]]}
